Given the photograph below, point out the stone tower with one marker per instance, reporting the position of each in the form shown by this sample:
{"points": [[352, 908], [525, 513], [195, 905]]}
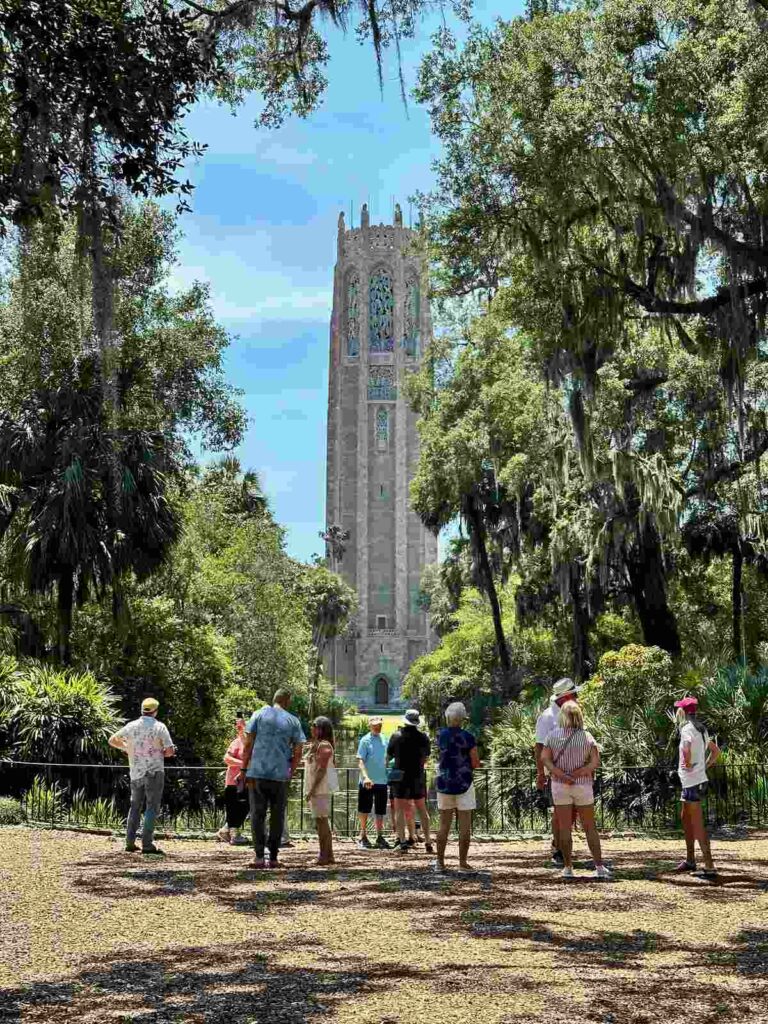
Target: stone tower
{"points": [[379, 323]]}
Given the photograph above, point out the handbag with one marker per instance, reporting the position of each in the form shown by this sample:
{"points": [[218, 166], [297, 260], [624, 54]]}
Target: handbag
{"points": [[394, 774]]}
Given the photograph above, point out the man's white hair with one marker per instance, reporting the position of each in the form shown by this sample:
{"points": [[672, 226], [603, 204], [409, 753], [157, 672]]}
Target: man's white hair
{"points": [[455, 712]]}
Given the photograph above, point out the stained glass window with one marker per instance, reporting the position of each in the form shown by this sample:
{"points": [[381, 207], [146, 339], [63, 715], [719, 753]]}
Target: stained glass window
{"points": [[353, 315], [381, 334], [381, 383], [382, 429], [411, 318]]}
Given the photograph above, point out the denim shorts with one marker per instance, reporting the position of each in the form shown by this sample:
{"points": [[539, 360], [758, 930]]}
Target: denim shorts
{"points": [[693, 794]]}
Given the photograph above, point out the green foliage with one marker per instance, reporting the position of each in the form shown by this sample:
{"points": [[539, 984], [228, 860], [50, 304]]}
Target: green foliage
{"points": [[612, 631], [159, 653], [628, 704], [512, 737], [600, 176], [59, 715], [734, 707], [11, 812], [462, 666], [230, 571]]}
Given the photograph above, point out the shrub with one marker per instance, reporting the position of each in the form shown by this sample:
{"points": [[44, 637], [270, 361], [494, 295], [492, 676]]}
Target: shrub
{"points": [[60, 715], [512, 737], [11, 812], [10, 689], [628, 704], [611, 632], [734, 706]]}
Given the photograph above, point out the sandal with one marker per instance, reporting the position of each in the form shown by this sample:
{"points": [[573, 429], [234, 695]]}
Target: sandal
{"points": [[705, 873]]}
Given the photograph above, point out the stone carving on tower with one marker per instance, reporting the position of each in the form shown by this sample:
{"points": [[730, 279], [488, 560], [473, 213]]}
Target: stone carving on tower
{"points": [[378, 325]]}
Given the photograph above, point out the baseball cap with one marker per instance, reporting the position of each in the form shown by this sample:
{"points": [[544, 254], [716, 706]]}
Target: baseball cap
{"points": [[375, 720], [150, 704], [687, 703]]}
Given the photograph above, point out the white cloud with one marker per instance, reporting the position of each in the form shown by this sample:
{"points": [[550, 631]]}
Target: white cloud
{"points": [[277, 303]]}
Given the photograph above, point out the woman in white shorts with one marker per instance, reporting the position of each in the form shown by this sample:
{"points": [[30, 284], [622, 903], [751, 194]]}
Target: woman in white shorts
{"points": [[571, 755], [455, 788]]}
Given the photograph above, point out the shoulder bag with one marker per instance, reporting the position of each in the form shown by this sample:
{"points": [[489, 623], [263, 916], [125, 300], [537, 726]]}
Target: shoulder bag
{"points": [[544, 799]]}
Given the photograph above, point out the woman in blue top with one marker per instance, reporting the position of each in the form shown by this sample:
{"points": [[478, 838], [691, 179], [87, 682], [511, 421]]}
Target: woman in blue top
{"points": [[455, 790]]}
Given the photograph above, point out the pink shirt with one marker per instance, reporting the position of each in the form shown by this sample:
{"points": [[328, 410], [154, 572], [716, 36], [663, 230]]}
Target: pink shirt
{"points": [[235, 749]]}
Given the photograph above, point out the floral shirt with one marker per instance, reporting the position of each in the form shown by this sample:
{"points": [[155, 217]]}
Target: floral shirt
{"points": [[145, 740]]}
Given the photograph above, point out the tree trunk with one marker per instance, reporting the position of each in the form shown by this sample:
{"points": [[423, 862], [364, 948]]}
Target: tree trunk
{"points": [[737, 602], [583, 661], [648, 582], [312, 699], [511, 685], [65, 603]]}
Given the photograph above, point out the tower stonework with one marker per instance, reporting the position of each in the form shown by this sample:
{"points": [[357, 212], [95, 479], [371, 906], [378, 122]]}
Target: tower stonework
{"points": [[379, 324]]}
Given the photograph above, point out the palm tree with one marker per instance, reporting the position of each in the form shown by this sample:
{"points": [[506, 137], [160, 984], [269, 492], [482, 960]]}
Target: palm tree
{"points": [[90, 501]]}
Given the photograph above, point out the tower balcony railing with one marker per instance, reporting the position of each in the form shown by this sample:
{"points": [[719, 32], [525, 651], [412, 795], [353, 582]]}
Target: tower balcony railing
{"points": [[382, 632], [382, 393]]}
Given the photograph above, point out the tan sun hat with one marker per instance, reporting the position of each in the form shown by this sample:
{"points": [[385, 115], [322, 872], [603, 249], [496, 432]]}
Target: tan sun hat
{"points": [[562, 688]]}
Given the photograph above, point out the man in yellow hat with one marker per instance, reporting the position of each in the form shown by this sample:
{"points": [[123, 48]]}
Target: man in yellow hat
{"points": [[147, 743]]}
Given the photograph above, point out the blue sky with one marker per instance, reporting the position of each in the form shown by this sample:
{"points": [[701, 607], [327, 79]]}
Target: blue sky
{"points": [[263, 233]]}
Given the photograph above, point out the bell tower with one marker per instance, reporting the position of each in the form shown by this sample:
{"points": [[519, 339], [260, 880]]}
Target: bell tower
{"points": [[379, 324]]}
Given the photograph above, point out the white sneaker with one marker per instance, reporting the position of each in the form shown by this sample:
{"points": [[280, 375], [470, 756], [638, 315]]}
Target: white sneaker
{"points": [[602, 872], [567, 873]]}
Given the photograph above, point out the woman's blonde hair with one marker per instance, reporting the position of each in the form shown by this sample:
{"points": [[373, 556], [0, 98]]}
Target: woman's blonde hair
{"points": [[570, 716]]}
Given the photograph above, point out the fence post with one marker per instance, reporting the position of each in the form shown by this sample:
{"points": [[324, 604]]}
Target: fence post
{"points": [[347, 811]]}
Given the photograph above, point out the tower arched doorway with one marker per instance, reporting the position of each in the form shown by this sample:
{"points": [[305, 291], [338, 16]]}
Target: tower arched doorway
{"points": [[381, 690]]}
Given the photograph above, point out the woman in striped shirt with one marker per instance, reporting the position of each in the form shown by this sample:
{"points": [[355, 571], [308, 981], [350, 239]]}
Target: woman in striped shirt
{"points": [[571, 755]]}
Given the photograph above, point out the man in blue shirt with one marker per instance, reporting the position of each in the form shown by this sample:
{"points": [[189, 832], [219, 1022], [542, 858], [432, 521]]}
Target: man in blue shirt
{"points": [[272, 748], [372, 791]]}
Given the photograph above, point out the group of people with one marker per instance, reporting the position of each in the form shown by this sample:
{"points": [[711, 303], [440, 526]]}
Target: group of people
{"points": [[269, 747], [567, 757]]}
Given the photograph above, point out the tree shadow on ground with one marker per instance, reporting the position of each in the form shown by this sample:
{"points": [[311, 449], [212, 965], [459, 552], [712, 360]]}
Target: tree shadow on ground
{"points": [[194, 984]]}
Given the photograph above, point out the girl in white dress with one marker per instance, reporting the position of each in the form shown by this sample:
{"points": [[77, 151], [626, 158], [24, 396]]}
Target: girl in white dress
{"points": [[321, 780]]}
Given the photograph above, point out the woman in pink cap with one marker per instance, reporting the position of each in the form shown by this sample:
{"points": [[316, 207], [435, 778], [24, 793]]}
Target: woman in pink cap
{"points": [[697, 753]]}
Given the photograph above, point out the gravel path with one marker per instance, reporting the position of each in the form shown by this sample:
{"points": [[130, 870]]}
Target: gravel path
{"points": [[89, 933]]}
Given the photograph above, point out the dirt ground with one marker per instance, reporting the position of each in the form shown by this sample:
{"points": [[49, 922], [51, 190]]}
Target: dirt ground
{"points": [[91, 933]]}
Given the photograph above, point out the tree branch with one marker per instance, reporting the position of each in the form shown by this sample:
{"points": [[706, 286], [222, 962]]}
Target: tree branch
{"points": [[700, 307], [730, 471], [707, 226]]}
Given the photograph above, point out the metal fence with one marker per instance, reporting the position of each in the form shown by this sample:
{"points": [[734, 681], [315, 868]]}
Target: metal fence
{"points": [[638, 798]]}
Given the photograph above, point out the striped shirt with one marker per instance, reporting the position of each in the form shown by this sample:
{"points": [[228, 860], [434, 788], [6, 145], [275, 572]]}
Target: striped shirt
{"points": [[576, 754]]}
